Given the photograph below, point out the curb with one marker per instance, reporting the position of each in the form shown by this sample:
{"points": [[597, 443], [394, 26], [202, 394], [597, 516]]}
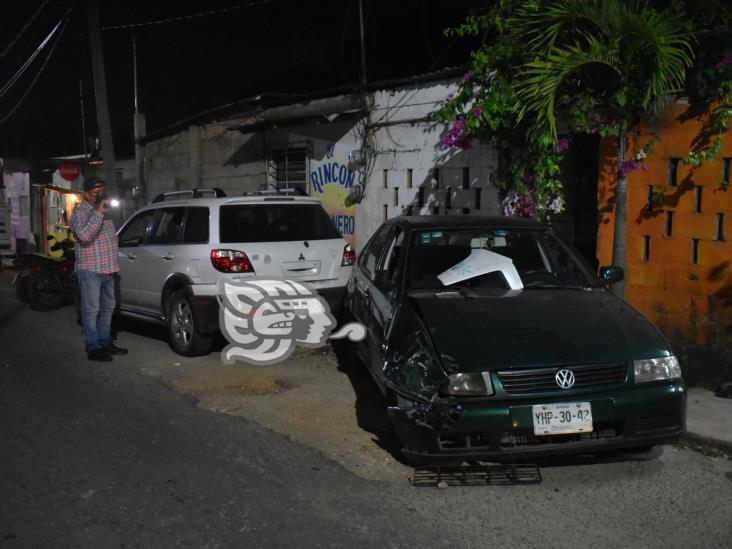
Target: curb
{"points": [[721, 445]]}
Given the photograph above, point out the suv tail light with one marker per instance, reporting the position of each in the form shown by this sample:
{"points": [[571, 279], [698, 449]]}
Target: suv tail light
{"points": [[231, 261], [349, 256]]}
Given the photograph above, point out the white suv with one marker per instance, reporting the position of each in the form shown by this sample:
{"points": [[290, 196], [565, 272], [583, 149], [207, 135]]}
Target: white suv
{"points": [[174, 251]]}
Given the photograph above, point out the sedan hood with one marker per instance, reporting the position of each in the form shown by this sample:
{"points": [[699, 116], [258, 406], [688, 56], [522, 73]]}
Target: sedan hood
{"points": [[535, 327]]}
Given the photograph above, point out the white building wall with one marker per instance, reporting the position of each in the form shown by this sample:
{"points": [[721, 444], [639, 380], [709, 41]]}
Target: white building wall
{"points": [[166, 164], [405, 140], [219, 165], [202, 157]]}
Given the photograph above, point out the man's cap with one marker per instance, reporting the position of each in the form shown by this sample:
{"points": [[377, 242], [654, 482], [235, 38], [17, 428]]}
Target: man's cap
{"points": [[92, 183]]}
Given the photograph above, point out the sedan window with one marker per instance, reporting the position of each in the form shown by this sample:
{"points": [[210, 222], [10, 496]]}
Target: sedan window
{"points": [[374, 249], [394, 254]]}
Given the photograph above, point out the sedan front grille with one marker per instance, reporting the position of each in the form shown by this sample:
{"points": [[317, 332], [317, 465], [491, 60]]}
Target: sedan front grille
{"points": [[541, 380]]}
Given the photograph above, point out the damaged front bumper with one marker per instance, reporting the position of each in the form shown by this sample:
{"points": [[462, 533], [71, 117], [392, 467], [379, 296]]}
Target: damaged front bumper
{"points": [[500, 428]]}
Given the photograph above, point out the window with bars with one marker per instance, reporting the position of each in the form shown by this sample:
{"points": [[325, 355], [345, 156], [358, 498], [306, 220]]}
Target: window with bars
{"points": [[290, 168]]}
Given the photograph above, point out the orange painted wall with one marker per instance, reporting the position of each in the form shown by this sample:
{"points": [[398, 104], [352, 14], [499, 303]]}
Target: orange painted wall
{"points": [[691, 303]]}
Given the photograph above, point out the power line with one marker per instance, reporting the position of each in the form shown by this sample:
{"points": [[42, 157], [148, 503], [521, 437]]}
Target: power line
{"points": [[184, 17], [25, 28], [63, 24], [28, 61]]}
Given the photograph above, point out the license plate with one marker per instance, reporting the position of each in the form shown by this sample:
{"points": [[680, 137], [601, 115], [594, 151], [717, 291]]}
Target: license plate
{"points": [[563, 418]]}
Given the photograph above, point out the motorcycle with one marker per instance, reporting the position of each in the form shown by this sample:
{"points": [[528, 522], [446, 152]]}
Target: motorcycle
{"points": [[45, 282]]}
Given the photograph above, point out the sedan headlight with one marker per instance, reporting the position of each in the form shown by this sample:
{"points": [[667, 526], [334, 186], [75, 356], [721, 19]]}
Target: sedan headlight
{"points": [[657, 369], [470, 384]]}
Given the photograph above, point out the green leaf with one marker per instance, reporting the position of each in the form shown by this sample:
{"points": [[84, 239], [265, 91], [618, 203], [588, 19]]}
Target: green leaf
{"points": [[621, 98]]}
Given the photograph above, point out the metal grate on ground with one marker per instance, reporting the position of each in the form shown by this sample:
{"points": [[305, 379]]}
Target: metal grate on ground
{"points": [[477, 475]]}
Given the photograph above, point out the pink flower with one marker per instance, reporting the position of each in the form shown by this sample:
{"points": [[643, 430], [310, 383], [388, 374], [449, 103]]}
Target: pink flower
{"points": [[476, 112], [726, 60], [564, 145], [631, 165], [456, 136]]}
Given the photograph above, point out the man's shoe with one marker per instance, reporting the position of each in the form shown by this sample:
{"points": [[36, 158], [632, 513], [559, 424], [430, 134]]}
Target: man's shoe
{"points": [[99, 355], [112, 349]]}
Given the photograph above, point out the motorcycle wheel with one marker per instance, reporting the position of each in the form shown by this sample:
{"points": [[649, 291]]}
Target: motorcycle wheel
{"points": [[21, 288], [43, 292]]}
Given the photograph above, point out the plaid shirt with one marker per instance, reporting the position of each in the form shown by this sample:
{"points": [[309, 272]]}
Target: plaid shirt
{"points": [[97, 247]]}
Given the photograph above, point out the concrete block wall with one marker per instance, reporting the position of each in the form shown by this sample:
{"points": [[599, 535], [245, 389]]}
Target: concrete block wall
{"points": [[219, 166], [201, 157], [166, 164], [413, 173]]}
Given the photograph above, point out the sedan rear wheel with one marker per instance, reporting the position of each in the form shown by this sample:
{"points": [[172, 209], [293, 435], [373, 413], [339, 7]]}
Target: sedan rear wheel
{"points": [[185, 339]]}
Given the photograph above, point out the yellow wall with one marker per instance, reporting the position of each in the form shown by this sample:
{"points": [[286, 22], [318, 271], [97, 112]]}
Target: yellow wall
{"points": [[691, 303]]}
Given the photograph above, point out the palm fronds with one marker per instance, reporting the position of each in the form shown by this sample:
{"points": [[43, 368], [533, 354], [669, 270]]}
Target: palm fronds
{"points": [[647, 53]]}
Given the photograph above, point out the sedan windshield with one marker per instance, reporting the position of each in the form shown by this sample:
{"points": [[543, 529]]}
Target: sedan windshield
{"points": [[539, 257]]}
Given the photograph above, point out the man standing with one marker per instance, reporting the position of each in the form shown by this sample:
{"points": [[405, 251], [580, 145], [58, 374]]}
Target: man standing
{"points": [[97, 261]]}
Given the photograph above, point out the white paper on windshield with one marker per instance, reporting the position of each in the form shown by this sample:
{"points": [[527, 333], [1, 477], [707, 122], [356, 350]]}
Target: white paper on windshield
{"points": [[481, 262]]}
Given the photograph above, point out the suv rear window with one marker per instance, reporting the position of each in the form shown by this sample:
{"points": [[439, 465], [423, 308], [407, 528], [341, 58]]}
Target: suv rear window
{"points": [[275, 223]]}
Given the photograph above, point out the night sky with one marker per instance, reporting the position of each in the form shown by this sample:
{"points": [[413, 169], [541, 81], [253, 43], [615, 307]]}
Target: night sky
{"points": [[188, 66]]}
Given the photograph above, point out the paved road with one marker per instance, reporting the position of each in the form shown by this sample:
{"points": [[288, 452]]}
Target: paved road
{"points": [[102, 455]]}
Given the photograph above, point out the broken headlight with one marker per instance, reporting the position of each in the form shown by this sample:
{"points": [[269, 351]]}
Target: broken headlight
{"points": [[656, 369], [470, 384]]}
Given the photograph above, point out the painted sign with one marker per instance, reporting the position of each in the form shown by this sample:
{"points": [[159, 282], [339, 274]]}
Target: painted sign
{"points": [[331, 181], [69, 171]]}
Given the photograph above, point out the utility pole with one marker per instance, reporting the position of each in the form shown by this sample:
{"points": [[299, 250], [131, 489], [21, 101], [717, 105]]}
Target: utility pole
{"points": [[140, 130], [363, 46], [100, 95], [358, 190], [83, 120]]}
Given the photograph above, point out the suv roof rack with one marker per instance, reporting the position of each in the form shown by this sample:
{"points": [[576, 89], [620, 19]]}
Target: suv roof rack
{"points": [[213, 192], [275, 192]]}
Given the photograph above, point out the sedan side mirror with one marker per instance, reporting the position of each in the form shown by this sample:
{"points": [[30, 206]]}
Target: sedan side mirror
{"points": [[611, 274]]}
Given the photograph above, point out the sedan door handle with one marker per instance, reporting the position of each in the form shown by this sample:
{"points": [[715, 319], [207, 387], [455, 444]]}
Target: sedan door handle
{"points": [[168, 256]]}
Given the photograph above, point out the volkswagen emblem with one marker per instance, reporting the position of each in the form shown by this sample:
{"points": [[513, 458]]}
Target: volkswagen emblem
{"points": [[564, 378]]}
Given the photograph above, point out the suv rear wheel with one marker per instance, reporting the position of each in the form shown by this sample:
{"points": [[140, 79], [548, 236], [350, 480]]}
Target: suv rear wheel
{"points": [[185, 338]]}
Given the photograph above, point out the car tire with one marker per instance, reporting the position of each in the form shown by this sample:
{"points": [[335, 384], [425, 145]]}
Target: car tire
{"points": [[642, 453], [43, 293], [345, 349], [185, 337]]}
